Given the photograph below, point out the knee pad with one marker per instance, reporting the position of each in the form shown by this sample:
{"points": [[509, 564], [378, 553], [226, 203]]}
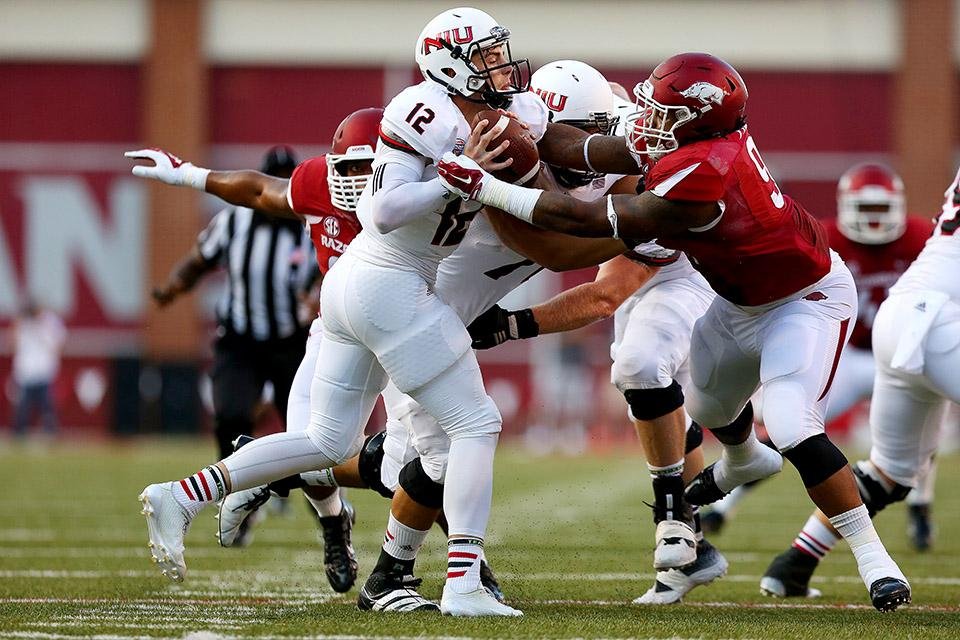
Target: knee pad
{"points": [[873, 490], [649, 404], [816, 459], [369, 462], [737, 430], [420, 486], [633, 367], [694, 437], [484, 419]]}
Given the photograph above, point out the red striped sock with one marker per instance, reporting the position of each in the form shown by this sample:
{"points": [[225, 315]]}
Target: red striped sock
{"points": [[463, 564], [816, 539], [201, 488]]}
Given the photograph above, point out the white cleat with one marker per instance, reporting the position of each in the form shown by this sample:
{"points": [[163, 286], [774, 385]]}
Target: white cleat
{"points": [[671, 585], [167, 524], [235, 509], [474, 604], [676, 545]]}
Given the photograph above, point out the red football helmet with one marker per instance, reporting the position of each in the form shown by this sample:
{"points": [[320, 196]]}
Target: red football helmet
{"points": [[871, 207], [354, 141], [689, 97]]}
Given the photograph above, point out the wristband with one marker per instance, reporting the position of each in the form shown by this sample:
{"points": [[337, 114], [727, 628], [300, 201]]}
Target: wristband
{"points": [[517, 201], [586, 152], [527, 326], [191, 176], [612, 217]]}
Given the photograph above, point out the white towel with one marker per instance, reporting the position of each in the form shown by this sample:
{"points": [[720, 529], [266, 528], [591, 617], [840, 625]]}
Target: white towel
{"points": [[922, 308]]}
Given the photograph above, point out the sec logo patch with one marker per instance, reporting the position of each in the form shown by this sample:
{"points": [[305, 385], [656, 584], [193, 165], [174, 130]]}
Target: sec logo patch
{"points": [[331, 226]]}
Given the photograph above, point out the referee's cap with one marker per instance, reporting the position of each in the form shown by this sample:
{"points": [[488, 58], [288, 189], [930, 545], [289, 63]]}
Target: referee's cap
{"points": [[279, 161]]}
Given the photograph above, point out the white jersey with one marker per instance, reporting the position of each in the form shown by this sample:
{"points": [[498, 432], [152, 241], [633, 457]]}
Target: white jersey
{"points": [[424, 120], [936, 267]]}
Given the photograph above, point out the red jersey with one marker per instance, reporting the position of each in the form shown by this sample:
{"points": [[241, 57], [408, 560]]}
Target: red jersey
{"points": [[764, 245], [330, 229], [876, 267]]}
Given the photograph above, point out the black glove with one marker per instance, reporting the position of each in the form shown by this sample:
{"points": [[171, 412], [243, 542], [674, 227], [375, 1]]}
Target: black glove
{"points": [[497, 325]]}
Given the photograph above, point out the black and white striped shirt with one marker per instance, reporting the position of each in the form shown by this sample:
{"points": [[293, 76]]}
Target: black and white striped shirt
{"points": [[268, 261]]}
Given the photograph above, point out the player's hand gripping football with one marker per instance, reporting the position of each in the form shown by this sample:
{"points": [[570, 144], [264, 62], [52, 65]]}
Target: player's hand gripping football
{"points": [[496, 325], [168, 168]]}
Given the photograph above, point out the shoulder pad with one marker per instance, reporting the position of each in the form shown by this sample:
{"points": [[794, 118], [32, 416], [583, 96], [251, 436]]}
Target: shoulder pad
{"points": [[423, 120]]}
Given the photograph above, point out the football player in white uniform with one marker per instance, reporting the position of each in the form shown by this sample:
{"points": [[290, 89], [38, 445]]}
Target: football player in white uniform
{"points": [[916, 349], [382, 317], [655, 296]]}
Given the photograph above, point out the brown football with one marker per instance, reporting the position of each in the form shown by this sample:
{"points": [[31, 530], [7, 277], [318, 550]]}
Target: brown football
{"points": [[523, 150]]}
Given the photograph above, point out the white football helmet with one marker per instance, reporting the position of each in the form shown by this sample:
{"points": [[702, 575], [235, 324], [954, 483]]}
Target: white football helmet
{"points": [[445, 48], [871, 207], [577, 95]]}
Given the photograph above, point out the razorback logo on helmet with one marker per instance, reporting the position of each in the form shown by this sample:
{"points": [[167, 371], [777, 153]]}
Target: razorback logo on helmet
{"points": [[459, 35], [705, 92], [331, 226], [554, 101]]}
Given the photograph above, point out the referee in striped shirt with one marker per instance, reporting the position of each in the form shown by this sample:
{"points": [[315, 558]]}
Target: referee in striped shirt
{"points": [[270, 266]]}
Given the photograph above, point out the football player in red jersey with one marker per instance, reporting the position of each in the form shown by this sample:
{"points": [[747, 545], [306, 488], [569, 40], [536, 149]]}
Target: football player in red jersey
{"points": [[877, 241], [323, 193], [785, 302]]}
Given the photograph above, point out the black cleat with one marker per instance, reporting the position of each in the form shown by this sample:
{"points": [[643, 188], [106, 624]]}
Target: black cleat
{"points": [[703, 489], [919, 527], [339, 559], [788, 576], [488, 580], [712, 521], [393, 592], [887, 594]]}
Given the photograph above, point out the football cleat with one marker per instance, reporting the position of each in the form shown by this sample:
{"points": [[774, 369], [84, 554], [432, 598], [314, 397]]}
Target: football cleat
{"points": [[393, 592], [788, 576], [235, 511], [887, 594], [919, 527], [671, 585], [704, 489], [167, 524], [474, 604], [489, 581], [676, 545], [339, 559]]}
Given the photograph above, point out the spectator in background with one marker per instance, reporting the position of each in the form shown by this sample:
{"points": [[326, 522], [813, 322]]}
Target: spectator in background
{"points": [[260, 335], [38, 338]]}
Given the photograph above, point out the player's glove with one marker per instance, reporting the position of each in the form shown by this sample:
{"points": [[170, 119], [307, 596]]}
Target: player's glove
{"points": [[168, 168], [461, 176], [496, 325]]}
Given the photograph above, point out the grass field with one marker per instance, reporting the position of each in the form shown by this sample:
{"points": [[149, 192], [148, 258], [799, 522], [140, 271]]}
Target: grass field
{"points": [[570, 540]]}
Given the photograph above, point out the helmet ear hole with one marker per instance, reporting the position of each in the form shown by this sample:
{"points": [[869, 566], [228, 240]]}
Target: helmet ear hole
{"points": [[447, 71]]}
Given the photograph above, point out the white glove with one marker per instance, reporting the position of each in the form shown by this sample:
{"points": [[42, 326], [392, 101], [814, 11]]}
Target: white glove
{"points": [[462, 176], [168, 168]]}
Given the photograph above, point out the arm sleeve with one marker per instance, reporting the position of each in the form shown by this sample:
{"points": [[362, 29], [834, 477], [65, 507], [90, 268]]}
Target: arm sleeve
{"points": [[399, 195], [213, 240]]}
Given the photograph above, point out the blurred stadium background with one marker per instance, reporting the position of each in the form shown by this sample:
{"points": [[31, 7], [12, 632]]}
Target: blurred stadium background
{"points": [[218, 81]]}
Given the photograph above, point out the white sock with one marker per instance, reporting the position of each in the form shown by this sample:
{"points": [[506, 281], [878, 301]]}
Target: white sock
{"points": [[815, 539], [873, 561], [463, 564], [195, 492], [468, 491], [327, 507], [745, 462], [402, 542]]}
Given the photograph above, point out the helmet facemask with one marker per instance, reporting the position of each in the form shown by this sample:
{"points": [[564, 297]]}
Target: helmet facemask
{"points": [[651, 130], [345, 189], [872, 215]]}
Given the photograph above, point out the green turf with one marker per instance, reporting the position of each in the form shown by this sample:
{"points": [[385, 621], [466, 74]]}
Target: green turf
{"points": [[570, 539]]}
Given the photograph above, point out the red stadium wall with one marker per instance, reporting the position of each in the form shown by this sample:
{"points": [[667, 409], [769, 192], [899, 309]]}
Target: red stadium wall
{"points": [[64, 186]]}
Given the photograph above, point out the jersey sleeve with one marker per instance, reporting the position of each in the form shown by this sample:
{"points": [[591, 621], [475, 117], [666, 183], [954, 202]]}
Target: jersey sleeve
{"points": [[420, 120], [213, 240], [533, 112], [307, 191], [688, 179]]}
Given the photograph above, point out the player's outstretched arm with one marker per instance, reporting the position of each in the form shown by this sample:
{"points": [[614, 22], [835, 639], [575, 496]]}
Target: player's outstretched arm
{"points": [[182, 278], [243, 188], [566, 146], [638, 218]]}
